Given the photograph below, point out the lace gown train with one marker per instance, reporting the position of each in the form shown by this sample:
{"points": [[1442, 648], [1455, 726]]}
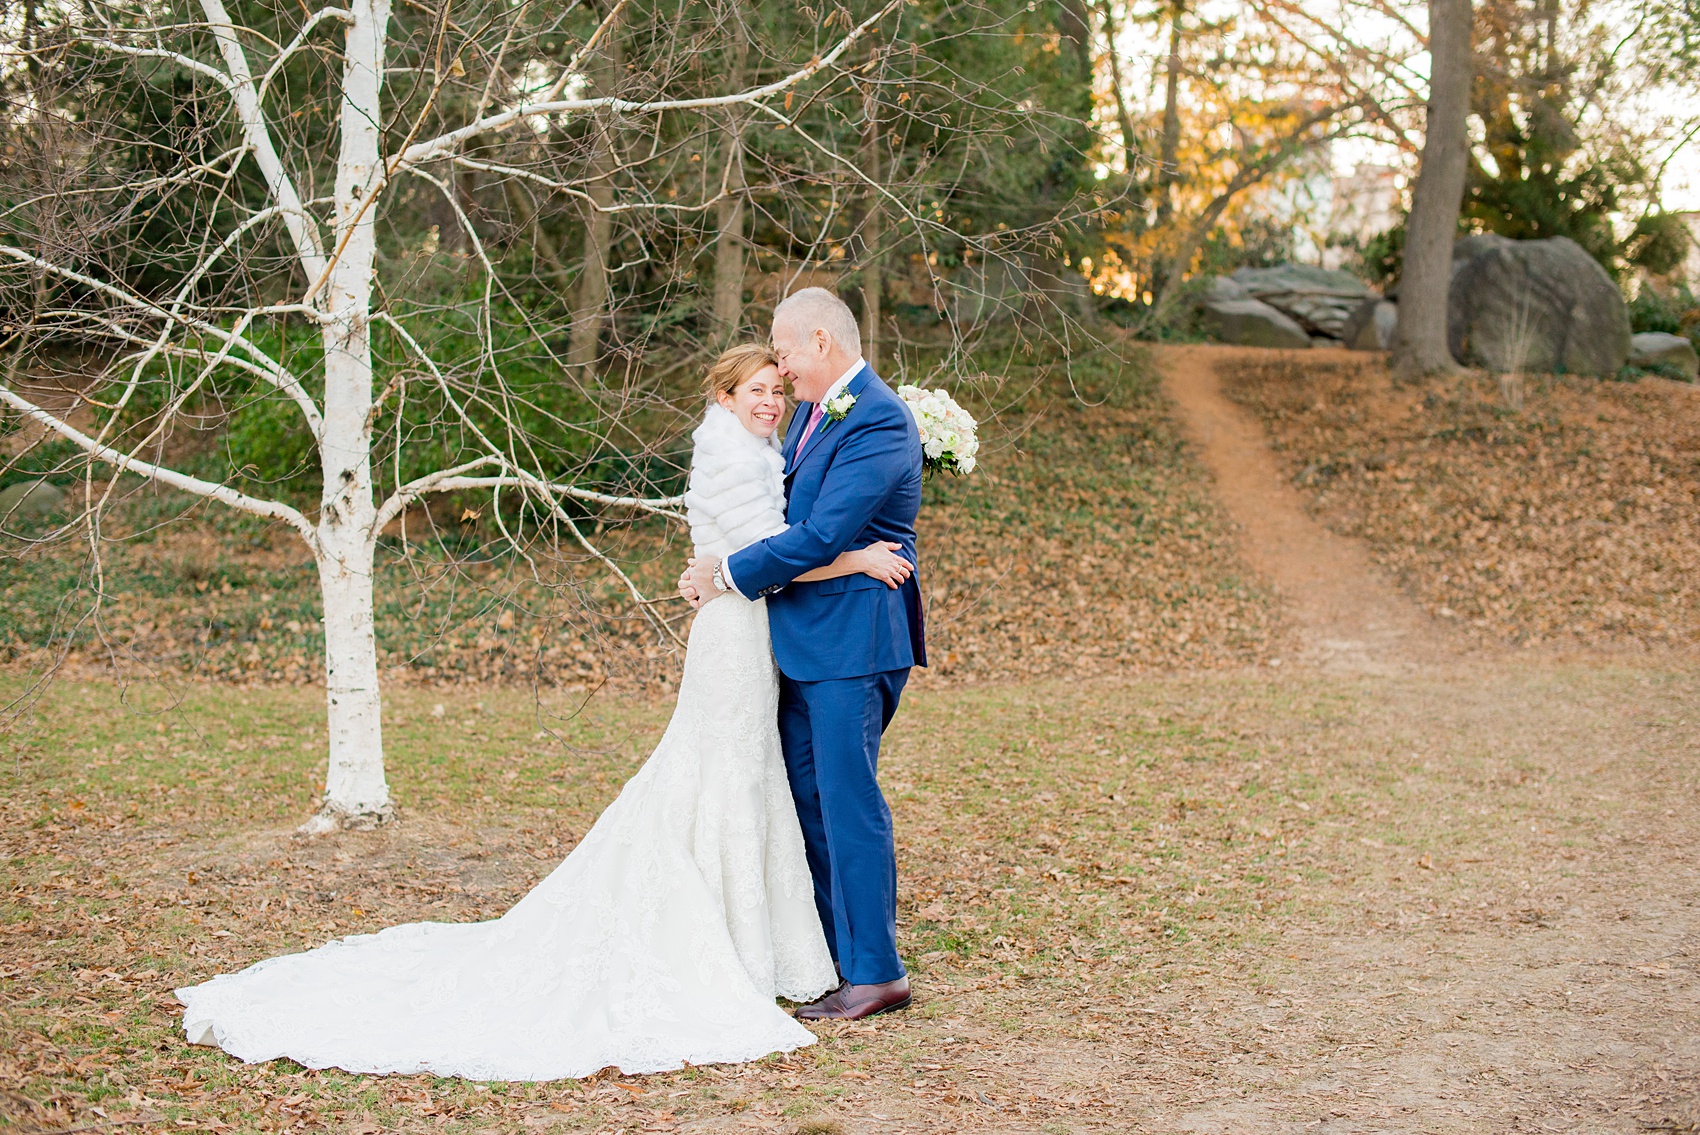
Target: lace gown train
{"points": [[661, 940]]}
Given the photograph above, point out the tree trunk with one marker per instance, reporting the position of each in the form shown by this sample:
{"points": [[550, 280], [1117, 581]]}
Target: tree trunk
{"points": [[1168, 154], [873, 235], [590, 308], [441, 213], [1074, 27], [1419, 343], [356, 793], [546, 258], [1165, 270], [28, 41], [727, 305], [1552, 65], [728, 309], [1130, 138], [355, 790]]}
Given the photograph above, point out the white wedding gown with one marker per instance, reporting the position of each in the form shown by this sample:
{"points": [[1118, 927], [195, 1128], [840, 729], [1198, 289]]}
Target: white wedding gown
{"points": [[662, 939]]}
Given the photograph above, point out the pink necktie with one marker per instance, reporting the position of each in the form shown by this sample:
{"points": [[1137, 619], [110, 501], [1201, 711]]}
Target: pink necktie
{"points": [[808, 430]]}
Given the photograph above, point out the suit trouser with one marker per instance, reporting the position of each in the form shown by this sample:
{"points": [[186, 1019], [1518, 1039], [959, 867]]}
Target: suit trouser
{"points": [[830, 732]]}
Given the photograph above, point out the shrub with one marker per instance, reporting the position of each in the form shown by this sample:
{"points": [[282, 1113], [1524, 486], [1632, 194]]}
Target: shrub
{"points": [[53, 460], [1676, 312]]}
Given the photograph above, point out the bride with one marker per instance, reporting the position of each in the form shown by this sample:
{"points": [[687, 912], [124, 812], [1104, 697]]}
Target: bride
{"points": [[664, 938]]}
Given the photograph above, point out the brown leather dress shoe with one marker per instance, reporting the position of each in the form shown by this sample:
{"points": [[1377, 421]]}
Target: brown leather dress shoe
{"points": [[853, 1002]]}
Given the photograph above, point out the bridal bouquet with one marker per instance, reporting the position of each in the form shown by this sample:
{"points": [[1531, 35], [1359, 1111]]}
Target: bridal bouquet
{"points": [[949, 436]]}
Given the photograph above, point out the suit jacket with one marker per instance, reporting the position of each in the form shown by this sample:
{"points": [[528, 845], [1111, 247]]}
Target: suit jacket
{"points": [[856, 481]]}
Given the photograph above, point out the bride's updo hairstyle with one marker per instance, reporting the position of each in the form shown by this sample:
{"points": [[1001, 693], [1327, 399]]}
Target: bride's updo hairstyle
{"points": [[735, 366]]}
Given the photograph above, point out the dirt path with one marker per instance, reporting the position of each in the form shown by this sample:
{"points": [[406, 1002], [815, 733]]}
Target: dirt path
{"points": [[1349, 616]]}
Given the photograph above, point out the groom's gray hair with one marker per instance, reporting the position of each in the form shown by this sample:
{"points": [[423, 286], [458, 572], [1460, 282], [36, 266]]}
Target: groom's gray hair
{"points": [[817, 308]]}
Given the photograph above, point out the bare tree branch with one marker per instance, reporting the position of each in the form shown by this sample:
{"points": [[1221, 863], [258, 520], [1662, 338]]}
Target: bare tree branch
{"points": [[224, 494], [251, 114], [446, 143], [273, 371], [300, 41], [453, 480]]}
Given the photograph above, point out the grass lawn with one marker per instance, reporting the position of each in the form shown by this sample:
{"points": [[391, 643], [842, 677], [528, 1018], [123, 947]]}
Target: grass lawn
{"points": [[1227, 901]]}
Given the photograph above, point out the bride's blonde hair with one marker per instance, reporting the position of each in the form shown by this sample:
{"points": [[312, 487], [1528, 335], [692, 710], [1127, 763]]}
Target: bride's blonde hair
{"points": [[735, 366]]}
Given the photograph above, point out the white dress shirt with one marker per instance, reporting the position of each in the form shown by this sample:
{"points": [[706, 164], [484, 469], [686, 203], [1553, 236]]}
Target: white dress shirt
{"points": [[832, 392], [837, 388]]}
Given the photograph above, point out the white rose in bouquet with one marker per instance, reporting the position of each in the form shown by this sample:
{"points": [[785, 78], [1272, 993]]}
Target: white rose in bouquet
{"points": [[949, 435]]}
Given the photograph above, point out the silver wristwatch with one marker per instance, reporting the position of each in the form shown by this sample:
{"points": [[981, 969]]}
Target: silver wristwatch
{"points": [[720, 583]]}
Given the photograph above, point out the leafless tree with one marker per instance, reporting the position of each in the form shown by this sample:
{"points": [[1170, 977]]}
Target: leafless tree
{"points": [[258, 187]]}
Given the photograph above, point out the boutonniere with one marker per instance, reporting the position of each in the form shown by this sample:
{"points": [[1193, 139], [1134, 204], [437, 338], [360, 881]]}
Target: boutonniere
{"points": [[837, 408]]}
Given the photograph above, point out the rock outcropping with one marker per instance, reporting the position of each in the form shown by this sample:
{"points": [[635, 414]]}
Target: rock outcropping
{"points": [[1662, 349], [1372, 323], [1320, 300], [1521, 306], [1232, 315]]}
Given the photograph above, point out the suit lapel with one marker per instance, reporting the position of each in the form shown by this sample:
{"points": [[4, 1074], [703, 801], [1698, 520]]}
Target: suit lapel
{"points": [[819, 441], [794, 432]]}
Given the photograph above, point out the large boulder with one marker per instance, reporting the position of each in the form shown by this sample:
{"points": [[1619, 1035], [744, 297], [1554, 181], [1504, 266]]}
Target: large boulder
{"points": [[1231, 315], [29, 500], [1519, 306], [1661, 349], [1372, 323], [1318, 299]]}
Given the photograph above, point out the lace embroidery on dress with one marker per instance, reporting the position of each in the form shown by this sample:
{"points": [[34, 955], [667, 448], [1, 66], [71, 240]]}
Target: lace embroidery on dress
{"points": [[661, 940]]}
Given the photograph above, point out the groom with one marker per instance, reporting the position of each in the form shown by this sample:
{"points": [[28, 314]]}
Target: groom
{"points": [[844, 646]]}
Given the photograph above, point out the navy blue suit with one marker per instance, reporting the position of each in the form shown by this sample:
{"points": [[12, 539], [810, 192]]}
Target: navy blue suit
{"points": [[844, 648]]}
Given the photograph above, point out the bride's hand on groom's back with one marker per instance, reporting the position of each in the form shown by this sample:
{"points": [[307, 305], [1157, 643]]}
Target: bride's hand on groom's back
{"points": [[687, 589], [880, 560]]}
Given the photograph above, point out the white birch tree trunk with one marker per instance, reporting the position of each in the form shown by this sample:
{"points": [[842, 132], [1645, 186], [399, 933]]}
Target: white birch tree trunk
{"points": [[356, 793]]}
